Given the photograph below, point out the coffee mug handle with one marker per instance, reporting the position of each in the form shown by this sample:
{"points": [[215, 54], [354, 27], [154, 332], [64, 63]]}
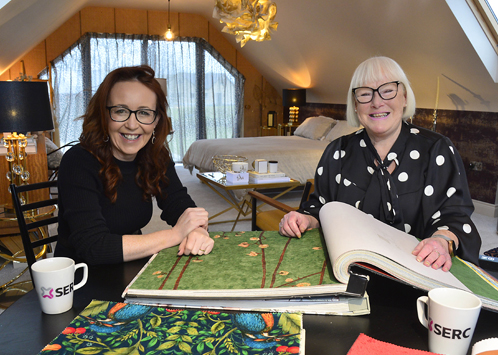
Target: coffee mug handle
{"points": [[421, 303], [85, 274]]}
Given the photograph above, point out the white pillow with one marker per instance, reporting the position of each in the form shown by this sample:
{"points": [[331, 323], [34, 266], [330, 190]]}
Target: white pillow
{"points": [[341, 128], [315, 127]]}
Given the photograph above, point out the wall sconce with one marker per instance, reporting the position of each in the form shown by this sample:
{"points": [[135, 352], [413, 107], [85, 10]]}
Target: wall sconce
{"points": [[271, 118], [24, 107], [169, 35], [293, 98]]}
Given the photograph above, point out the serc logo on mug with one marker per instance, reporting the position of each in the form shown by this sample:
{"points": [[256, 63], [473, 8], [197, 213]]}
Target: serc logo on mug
{"points": [[59, 292], [448, 333]]}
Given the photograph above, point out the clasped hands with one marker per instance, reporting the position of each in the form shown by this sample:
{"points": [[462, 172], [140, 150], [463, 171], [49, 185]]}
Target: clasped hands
{"points": [[433, 252], [192, 227]]}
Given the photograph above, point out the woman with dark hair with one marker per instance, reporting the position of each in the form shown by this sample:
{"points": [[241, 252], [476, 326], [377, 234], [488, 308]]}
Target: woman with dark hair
{"points": [[106, 183], [408, 177]]}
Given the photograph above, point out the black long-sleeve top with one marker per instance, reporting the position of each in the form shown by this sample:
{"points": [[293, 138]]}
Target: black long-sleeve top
{"points": [[90, 226], [426, 192]]}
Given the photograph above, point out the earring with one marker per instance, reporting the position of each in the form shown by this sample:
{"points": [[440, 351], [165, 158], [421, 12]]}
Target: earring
{"points": [[106, 139], [153, 136]]}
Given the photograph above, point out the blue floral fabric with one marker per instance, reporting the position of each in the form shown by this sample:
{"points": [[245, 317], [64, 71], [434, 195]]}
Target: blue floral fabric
{"points": [[121, 328]]}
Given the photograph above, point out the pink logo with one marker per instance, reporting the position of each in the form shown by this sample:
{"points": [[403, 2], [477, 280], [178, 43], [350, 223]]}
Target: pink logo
{"points": [[430, 324], [47, 292]]}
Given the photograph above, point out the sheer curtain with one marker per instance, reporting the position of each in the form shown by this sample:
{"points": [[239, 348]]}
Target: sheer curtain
{"points": [[204, 92]]}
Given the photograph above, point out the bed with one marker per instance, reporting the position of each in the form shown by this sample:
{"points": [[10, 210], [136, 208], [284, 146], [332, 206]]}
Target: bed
{"points": [[297, 155]]}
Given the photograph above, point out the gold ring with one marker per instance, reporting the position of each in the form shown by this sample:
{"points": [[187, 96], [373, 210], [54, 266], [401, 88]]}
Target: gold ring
{"points": [[202, 250], [438, 254]]}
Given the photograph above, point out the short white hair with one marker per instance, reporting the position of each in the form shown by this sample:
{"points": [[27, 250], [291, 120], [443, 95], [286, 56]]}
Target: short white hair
{"points": [[377, 69]]}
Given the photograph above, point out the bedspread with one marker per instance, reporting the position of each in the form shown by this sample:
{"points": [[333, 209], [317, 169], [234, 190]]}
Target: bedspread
{"points": [[297, 156]]}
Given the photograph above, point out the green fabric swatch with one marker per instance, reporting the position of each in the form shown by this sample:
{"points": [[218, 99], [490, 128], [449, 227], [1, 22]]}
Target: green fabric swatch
{"points": [[243, 260]]}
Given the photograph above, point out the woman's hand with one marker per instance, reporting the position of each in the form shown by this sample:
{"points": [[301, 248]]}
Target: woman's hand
{"points": [[197, 242], [434, 253], [191, 218], [293, 224]]}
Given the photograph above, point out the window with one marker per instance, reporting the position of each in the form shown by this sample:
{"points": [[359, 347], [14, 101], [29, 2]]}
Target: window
{"points": [[204, 92], [479, 24], [486, 15]]}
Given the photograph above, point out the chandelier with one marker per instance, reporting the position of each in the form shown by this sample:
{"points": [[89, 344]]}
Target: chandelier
{"points": [[247, 19]]}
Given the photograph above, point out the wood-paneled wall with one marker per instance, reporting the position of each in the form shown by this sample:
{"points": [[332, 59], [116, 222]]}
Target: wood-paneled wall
{"points": [[259, 98]]}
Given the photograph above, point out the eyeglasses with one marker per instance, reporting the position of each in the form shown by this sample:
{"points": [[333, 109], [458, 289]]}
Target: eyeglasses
{"points": [[387, 91], [121, 114]]}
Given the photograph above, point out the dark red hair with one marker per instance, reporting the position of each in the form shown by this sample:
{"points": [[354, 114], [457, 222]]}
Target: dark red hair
{"points": [[152, 160]]}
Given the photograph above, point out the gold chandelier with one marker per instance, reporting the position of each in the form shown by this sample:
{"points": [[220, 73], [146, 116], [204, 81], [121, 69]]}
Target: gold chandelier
{"points": [[247, 19]]}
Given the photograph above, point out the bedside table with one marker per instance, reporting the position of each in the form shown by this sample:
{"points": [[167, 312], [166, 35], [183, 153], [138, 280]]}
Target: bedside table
{"points": [[287, 129], [267, 131]]}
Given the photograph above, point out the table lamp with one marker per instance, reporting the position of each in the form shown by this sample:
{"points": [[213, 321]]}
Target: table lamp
{"points": [[293, 98], [24, 107]]}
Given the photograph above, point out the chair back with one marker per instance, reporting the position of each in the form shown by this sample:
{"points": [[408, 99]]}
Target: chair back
{"points": [[269, 220], [34, 219]]}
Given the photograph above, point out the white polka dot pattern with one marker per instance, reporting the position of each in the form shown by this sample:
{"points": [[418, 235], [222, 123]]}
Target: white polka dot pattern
{"points": [[436, 215], [439, 160], [363, 144], [322, 200], [338, 178], [429, 190], [320, 171], [467, 228], [450, 191], [408, 228], [414, 154], [403, 177], [392, 156]]}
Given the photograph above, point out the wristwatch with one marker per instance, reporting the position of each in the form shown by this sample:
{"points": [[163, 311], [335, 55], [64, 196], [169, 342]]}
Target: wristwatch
{"points": [[451, 243]]}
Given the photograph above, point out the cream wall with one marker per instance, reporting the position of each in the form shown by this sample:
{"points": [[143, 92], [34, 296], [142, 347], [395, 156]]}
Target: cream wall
{"points": [[259, 96]]}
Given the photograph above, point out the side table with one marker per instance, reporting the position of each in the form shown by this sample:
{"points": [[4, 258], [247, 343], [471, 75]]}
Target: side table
{"points": [[267, 131], [287, 129], [216, 182]]}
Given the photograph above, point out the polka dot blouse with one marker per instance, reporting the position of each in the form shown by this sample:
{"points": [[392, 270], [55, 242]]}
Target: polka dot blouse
{"points": [[426, 192]]}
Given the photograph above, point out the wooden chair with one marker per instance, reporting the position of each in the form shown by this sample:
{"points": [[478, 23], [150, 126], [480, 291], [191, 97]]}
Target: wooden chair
{"points": [[34, 218], [269, 220]]}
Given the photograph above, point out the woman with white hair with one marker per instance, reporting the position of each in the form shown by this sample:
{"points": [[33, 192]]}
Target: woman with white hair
{"points": [[408, 177]]}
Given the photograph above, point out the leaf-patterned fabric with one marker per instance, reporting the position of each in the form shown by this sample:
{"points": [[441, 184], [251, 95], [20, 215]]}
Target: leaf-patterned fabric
{"points": [[120, 328]]}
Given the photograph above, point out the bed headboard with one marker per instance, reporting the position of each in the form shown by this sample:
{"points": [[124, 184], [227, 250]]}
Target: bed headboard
{"points": [[336, 111]]}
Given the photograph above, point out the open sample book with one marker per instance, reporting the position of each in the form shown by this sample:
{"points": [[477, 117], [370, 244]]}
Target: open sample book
{"points": [[251, 271], [355, 238]]}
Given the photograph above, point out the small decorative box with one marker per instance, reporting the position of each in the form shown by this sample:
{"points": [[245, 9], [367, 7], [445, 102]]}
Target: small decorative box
{"points": [[237, 178]]}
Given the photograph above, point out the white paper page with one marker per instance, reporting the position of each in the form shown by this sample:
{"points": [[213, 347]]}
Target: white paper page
{"points": [[352, 227]]}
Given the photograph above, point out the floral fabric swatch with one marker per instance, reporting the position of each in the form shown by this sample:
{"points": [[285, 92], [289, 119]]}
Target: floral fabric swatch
{"points": [[120, 328]]}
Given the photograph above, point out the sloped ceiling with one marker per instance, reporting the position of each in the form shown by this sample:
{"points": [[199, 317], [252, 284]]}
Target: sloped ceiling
{"points": [[317, 46]]}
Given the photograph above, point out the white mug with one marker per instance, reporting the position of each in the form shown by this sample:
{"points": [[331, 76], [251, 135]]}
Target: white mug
{"points": [[452, 318], [54, 283]]}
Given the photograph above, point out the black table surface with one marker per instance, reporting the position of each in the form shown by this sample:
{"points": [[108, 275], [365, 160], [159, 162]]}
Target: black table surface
{"points": [[24, 329]]}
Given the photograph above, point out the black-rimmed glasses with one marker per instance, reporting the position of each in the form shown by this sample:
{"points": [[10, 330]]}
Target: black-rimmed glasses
{"points": [[121, 114], [387, 91]]}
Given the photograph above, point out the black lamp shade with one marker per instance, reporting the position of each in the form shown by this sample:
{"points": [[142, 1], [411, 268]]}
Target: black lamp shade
{"points": [[294, 97], [25, 107]]}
